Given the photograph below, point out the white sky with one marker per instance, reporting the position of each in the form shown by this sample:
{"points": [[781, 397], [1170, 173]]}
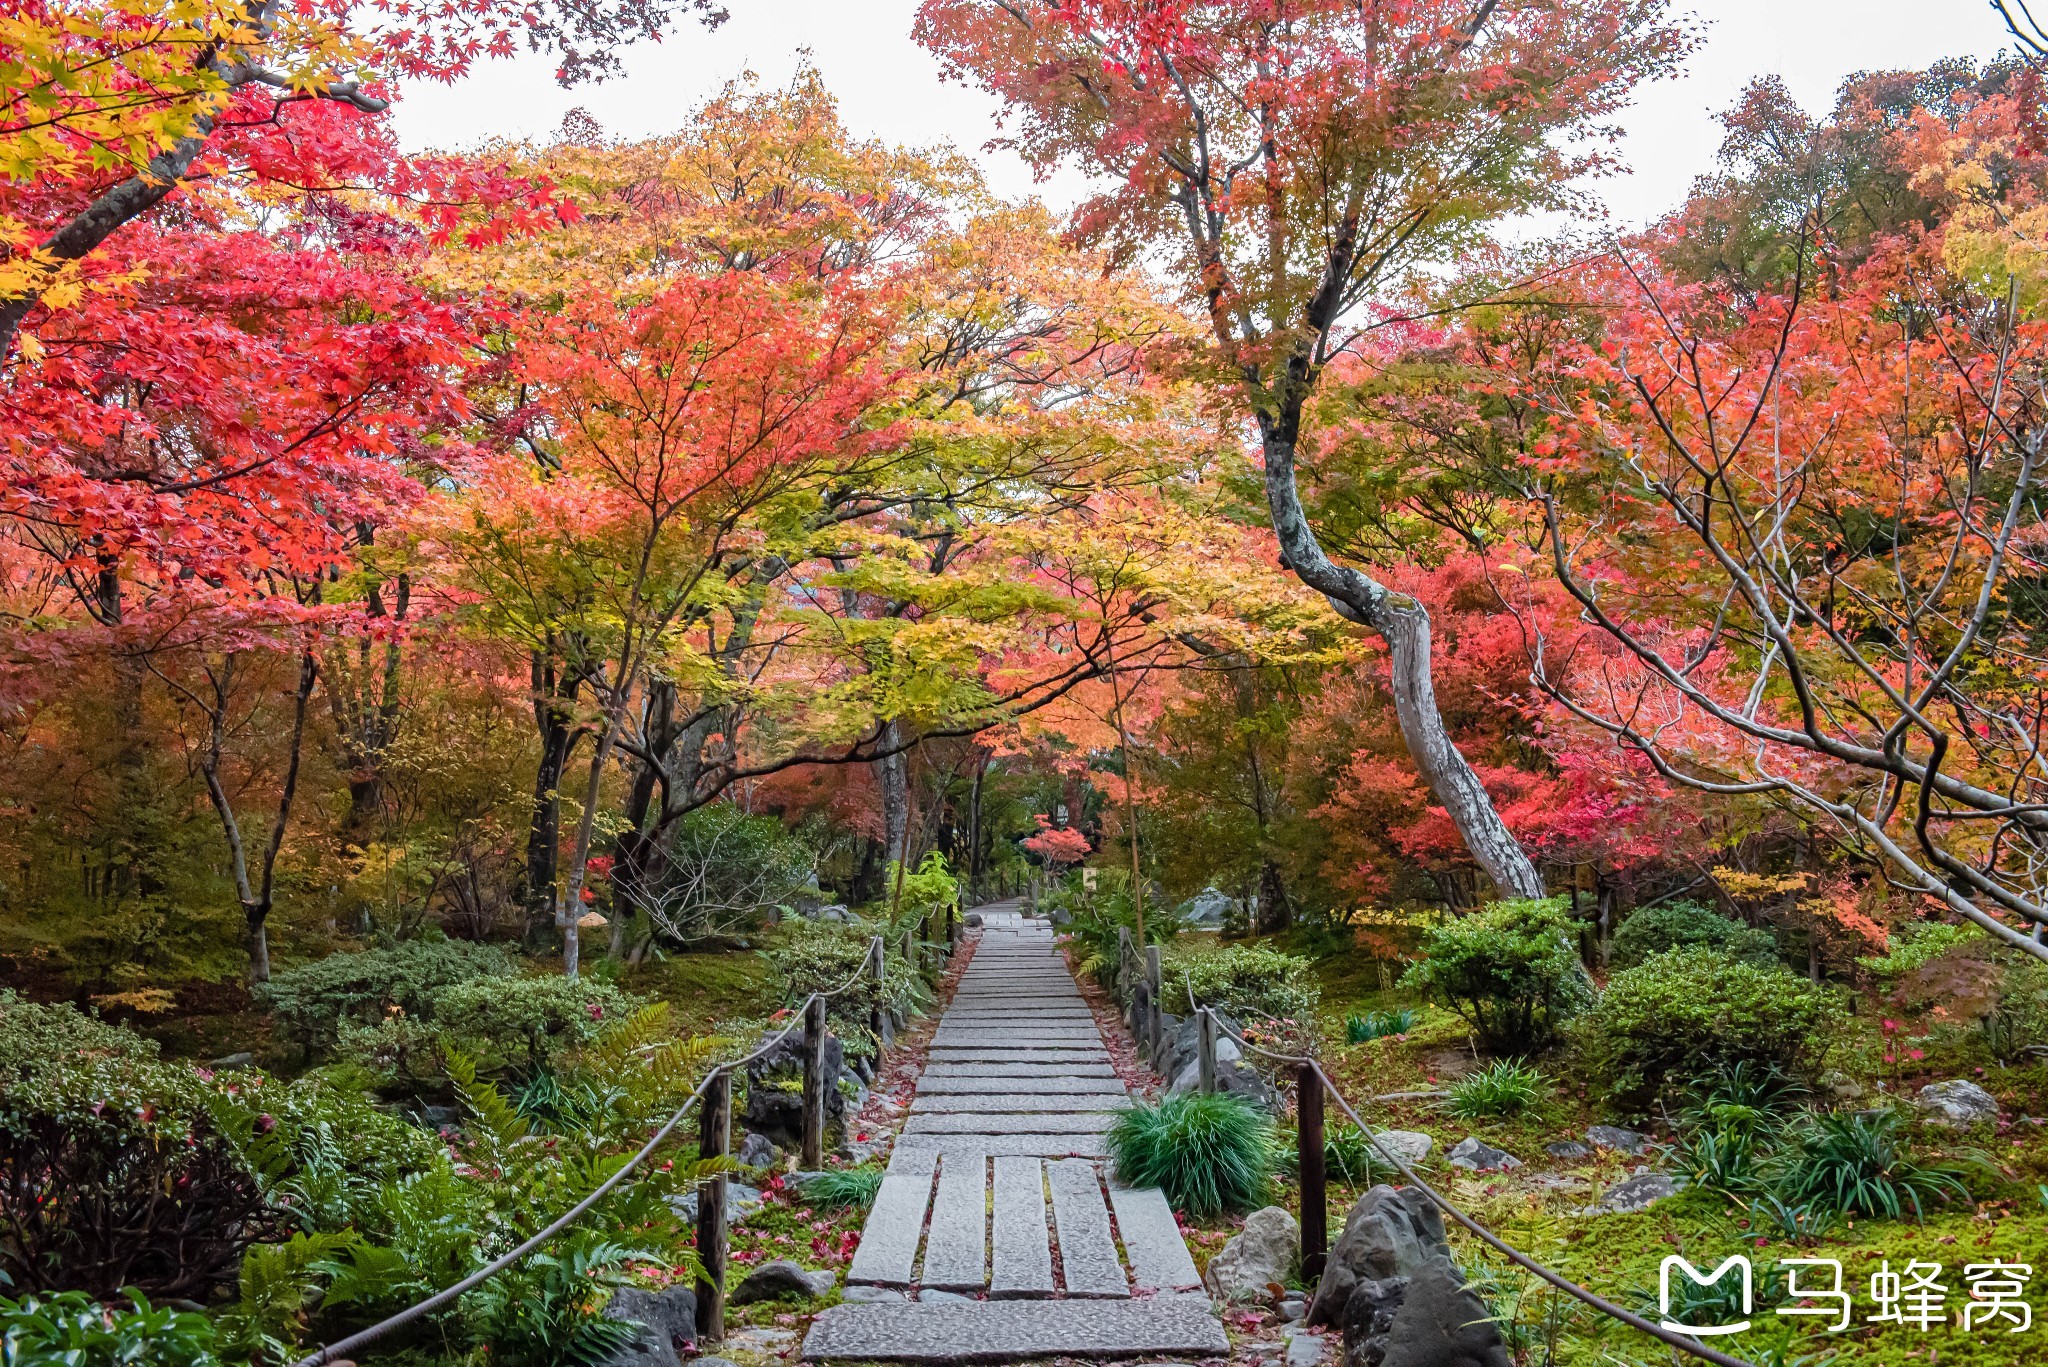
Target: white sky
{"points": [[888, 87]]}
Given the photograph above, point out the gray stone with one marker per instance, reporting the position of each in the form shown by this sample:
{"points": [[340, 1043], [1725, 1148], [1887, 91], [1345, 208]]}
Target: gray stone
{"points": [[1958, 1103], [1086, 1122], [930, 1086], [713, 1362], [888, 1243], [756, 1151], [1021, 1256], [1388, 1234], [1252, 1261], [1477, 1156], [781, 1278], [760, 1340], [667, 1320], [1157, 1254], [1304, 1350], [1005, 1331], [1018, 1103], [1841, 1086], [234, 1062], [440, 1117], [837, 915], [741, 1201], [870, 1294], [1207, 909], [1410, 1146], [1556, 1181], [1614, 1137], [1088, 1256], [973, 919], [932, 1295], [1292, 1309], [1441, 1323], [956, 1252], [1568, 1150], [1636, 1193]]}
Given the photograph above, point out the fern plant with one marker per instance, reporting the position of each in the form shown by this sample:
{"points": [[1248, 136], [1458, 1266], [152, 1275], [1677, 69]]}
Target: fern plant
{"points": [[542, 1313], [1378, 1025]]}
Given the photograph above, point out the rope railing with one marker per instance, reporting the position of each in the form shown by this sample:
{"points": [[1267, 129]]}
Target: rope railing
{"points": [[808, 1017], [1212, 1024]]}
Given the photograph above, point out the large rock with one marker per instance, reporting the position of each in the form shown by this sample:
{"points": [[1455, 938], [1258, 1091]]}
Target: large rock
{"points": [[741, 1201], [1208, 909], [756, 1151], [1252, 1261], [667, 1320], [1474, 1154], [1410, 1146], [1614, 1137], [782, 1278], [1393, 1252], [775, 1102], [1637, 1193], [1441, 1323], [1180, 1061], [1957, 1103]]}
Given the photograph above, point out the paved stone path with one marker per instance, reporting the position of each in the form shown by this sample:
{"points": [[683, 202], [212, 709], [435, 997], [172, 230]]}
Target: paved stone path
{"points": [[997, 1182]]}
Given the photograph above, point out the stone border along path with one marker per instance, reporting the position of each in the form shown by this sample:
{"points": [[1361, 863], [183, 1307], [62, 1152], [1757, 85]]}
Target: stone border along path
{"points": [[1005, 1129]]}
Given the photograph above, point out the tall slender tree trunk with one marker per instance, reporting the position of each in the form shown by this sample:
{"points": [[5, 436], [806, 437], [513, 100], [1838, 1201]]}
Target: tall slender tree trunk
{"points": [[553, 699], [1403, 623], [893, 772]]}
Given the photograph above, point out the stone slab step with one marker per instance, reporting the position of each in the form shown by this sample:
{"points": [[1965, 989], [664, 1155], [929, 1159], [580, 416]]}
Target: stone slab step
{"points": [[1001, 1084], [1021, 1257], [975, 1053], [940, 1069], [1003, 1331], [1158, 1256], [1042, 1145], [1042, 1123], [1088, 1261], [996, 1103], [956, 1250], [887, 1255]]}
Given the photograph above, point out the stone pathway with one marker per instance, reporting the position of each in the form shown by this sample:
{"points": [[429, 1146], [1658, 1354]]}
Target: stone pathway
{"points": [[959, 1261]]}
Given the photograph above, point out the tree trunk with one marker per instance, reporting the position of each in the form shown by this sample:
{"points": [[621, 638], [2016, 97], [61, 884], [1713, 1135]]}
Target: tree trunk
{"points": [[893, 772], [1275, 913], [1403, 623], [552, 697]]}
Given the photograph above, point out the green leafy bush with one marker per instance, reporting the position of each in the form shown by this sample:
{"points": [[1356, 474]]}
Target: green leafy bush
{"points": [[1500, 1089], [818, 956], [1095, 921], [1857, 1163], [121, 1170], [1378, 1025], [926, 889], [547, 1310], [1677, 925], [1511, 971], [1690, 1014], [1915, 946], [72, 1330], [1247, 981], [313, 1002], [524, 1024], [1210, 1152]]}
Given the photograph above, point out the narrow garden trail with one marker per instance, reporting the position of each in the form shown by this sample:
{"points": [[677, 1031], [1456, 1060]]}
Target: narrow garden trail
{"points": [[959, 1260]]}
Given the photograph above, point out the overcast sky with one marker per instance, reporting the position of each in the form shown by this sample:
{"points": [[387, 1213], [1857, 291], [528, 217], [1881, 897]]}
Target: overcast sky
{"points": [[888, 87]]}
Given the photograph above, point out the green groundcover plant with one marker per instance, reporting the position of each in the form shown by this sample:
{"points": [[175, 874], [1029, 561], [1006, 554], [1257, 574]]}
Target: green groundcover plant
{"points": [[1210, 1152]]}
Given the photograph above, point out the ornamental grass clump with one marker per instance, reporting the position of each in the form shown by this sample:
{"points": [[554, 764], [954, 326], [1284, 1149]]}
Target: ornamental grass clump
{"points": [[1210, 1152], [846, 1189], [1502, 1088], [1857, 1163], [1378, 1025]]}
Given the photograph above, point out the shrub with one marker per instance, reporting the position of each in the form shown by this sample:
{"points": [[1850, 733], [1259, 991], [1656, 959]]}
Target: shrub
{"points": [[1378, 1025], [1857, 1164], [1915, 946], [845, 1189], [1246, 981], [1095, 921], [1690, 1014], [70, 1328], [118, 1170], [723, 869], [817, 956], [2018, 1023], [523, 1024], [314, 1001], [1210, 1152], [1510, 971], [1502, 1088], [1677, 925], [543, 1313]]}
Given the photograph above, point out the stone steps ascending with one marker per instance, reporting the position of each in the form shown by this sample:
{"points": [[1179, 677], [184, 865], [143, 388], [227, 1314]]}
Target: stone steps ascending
{"points": [[996, 1189]]}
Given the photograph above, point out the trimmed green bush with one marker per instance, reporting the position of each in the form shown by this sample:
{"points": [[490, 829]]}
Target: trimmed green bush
{"points": [[121, 1170], [1511, 971], [1210, 1152], [817, 956], [524, 1023], [1691, 1014], [1678, 925], [1247, 981], [314, 1001]]}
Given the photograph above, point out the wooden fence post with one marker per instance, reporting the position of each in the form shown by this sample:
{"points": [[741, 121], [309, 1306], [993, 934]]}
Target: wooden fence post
{"points": [[1205, 1052], [1155, 1029], [714, 1140], [1141, 1012], [878, 1015], [815, 1083], [1315, 1216]]}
